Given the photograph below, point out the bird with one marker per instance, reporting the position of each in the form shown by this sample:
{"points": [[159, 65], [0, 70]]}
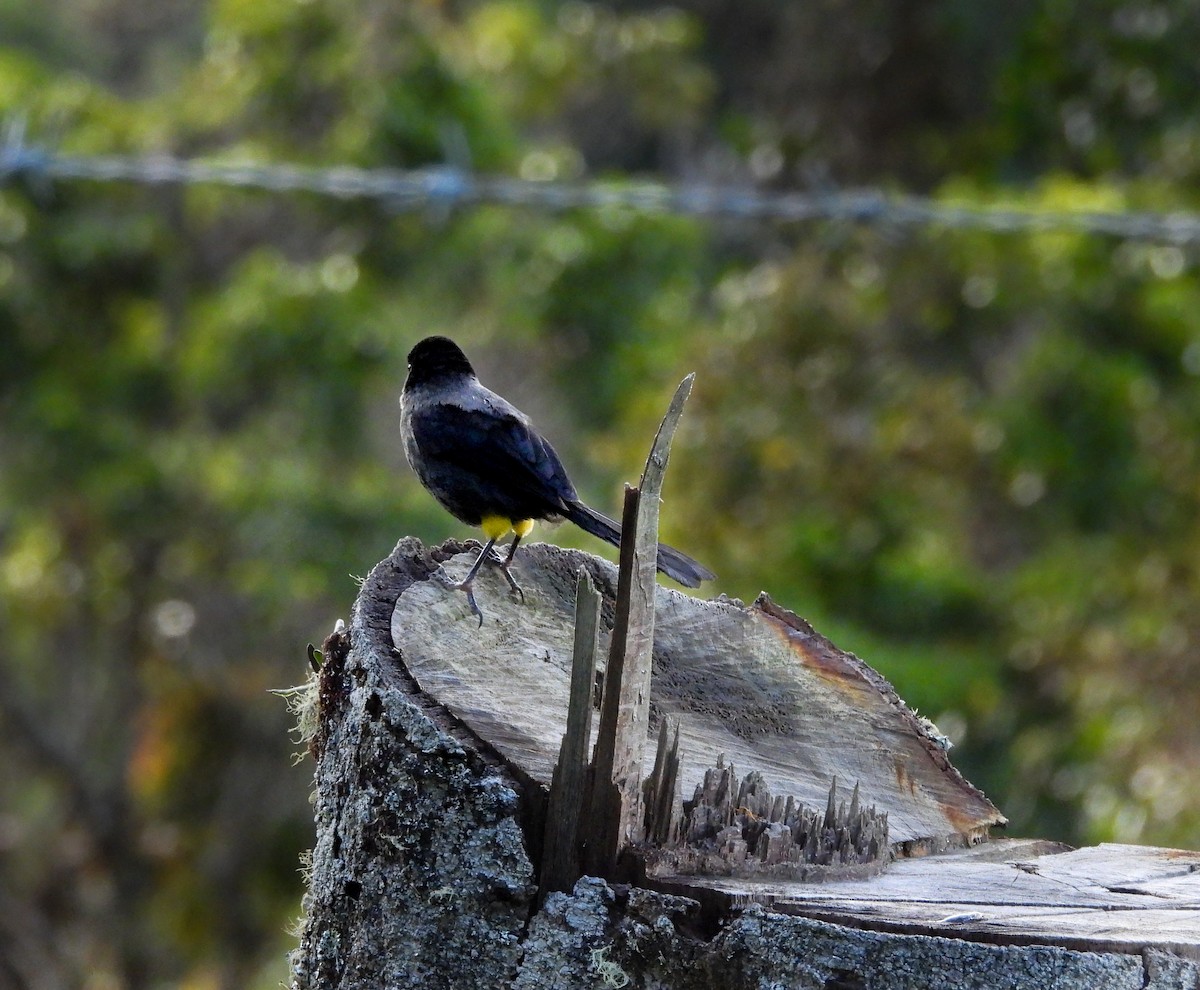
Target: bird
{"points": [[483, 460]]}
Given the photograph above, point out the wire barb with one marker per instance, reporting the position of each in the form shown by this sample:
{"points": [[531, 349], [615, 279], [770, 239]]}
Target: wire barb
{"points": [[444, 188]]}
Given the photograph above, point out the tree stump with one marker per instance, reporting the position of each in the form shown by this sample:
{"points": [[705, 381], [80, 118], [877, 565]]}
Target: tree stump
{"points": [[436, 741]]}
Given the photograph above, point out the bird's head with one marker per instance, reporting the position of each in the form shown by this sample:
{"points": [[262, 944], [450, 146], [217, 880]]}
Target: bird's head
{"points": [[436, 358]]}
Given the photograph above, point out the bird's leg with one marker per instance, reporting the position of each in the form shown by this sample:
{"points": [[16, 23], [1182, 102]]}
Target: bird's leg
{"points": [[466, 583], [504, 565]]}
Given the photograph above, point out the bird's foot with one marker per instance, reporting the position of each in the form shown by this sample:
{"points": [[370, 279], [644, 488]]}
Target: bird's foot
{"points": [[467, 586], [503, 566], [505, 562]]}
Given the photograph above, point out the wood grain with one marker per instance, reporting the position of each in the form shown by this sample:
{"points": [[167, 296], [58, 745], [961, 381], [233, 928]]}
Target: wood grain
{"points": [[752, 683], [1111, 898]]}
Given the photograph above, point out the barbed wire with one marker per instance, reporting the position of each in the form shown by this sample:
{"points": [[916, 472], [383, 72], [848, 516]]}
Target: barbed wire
{"points": [[446, 188]]}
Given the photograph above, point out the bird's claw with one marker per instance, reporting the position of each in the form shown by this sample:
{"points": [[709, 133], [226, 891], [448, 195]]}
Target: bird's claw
{"points": [[475, 610], [503, 567], [502, 564], [446, 581], [512, 581], [469, 589]]}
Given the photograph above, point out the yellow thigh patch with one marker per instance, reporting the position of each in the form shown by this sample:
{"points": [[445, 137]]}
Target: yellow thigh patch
{"points": [[495, 527], [523, 527]]}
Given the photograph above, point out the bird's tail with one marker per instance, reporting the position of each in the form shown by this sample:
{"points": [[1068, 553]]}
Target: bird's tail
{"points": [[671, 562]]}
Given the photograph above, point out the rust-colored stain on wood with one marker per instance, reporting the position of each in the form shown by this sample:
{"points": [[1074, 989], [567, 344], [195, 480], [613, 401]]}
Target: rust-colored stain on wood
{"points": [[813, 650]]}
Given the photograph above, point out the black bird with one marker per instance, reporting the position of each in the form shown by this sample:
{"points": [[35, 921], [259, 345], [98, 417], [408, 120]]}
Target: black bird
{"points": [[482, 459]]}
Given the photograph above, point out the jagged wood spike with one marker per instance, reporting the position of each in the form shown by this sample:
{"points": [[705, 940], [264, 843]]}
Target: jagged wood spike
{"points": [[660, 797], [831, 807], [810, 847], [758, 832], [617, 793], [725, 792], [620, 737], [568, 788], [670, 789], [652, 784]]}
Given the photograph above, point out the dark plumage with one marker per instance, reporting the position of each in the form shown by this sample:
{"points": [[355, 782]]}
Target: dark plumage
{"points": [[482, 459]]}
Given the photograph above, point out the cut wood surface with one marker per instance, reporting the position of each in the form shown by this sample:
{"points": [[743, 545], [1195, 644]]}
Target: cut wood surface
{"points": [[1111, 898], [428, 798], [759, 687], [754, 684]]}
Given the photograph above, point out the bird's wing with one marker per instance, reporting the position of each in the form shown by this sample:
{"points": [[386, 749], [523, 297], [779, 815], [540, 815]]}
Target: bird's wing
{"points": [[500, 448]]}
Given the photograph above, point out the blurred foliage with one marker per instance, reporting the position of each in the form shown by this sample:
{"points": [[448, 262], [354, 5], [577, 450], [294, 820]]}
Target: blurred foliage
{"points": [[970, 458]]}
